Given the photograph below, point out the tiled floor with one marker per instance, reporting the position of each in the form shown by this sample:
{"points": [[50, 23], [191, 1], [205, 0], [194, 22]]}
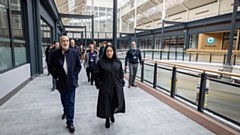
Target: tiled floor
{"points": [[36, 110]]}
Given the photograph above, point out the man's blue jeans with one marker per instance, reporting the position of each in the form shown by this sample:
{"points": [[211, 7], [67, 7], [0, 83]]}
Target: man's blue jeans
{"points": [[68, 101]]}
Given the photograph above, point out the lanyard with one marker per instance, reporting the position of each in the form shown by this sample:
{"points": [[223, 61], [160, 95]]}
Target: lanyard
{"points": [[134, 52]]}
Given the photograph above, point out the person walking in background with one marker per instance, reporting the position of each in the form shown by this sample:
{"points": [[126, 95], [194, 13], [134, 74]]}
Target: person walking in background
{"points": [[90, 60], [47, 54], [55, 47], [65, 66], [132, 57], [82, 52], [108, 74], [101, 52], [74, 46]]}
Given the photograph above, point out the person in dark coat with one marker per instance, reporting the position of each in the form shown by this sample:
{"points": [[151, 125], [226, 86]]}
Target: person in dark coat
{"points": [[108, 74], [65, 66], [55, 47], [101, 51]]}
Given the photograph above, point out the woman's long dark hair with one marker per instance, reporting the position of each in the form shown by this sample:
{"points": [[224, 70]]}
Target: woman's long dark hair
{"points": [[114, 53]]}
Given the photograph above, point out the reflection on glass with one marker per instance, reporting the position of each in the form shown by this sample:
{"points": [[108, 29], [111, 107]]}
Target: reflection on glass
{"points": [[238, 60], [148, 73], [20, 53], [163, 78], [139, 71], [224, 99], [187, 86], [193, 41], [4, 28], [16, 5], [17, 26], [179, 55], [186, 56], [217, 58], [5, 56], [203, 57]]}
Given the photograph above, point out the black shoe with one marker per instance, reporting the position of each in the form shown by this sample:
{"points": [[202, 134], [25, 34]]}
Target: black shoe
{"points": [[133, 85], [88, 80], [112, 119], [63, 116], [71, 128], [107, 124], [91, 83]]}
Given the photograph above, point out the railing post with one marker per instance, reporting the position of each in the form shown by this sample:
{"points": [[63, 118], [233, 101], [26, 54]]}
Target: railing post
{"points": [[155, 76], [224, 58], [168, 55], [202, 92], [142, 72], [144, 54], [196, 57], [190, 57], [210, 59], [160, 54], [152, 55], [234, 59], [175, 55], [183, 56], [173, 82]]}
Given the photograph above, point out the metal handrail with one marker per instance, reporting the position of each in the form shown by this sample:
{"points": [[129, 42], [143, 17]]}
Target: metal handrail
{"points": [[191, 67]]}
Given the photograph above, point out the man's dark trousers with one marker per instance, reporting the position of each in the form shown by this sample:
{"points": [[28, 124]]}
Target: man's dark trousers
{"points": [[67, 99]]}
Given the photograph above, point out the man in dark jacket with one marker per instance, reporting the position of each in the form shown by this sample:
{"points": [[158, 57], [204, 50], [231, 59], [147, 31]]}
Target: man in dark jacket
{"points": [[65, 66], [132, 57], [55, 47]]}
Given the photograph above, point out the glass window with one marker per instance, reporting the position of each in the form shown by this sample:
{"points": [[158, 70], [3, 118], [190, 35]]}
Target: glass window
{"points": [[17, 25], [193, 41], [4, 28], [16, 5], [5, 56], [46, 36], [20, 53]]}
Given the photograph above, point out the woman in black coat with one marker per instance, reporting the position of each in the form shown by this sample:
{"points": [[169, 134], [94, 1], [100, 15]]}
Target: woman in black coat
{"points": [[108, 75]]}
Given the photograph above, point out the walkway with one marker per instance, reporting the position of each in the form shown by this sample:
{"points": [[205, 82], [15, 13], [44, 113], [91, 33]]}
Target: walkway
{"points": [[36, 110]]}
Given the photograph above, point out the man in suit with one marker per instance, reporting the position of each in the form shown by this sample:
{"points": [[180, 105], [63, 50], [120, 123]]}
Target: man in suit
{"points": [[65, 66]]}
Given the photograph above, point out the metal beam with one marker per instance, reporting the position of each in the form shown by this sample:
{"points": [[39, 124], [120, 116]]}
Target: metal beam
{"points": [[115, 23], [74, 31], [143, 29], [75, 16], [80, 27], [172, 22], [233, 24]]}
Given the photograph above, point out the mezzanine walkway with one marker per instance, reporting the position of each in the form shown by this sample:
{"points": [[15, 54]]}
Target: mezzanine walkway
{"points": [[36, 110]]}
